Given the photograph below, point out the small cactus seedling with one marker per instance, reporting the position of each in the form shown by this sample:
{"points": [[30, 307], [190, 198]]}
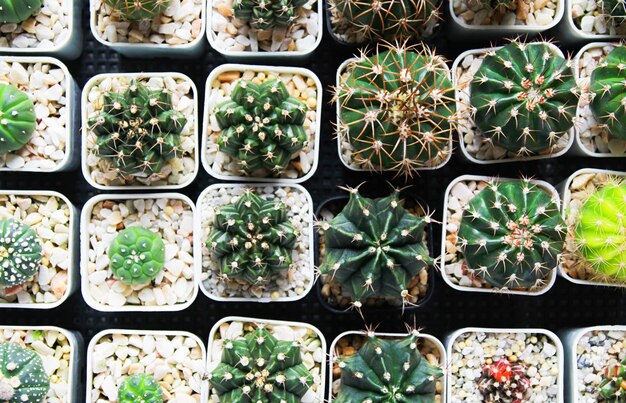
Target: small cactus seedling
{"points": [[22, 375], [259, 368], [20, 252], [524, 98], [136, 255], [609, 92], [614, 11], [17, 118], [253, 239], [503, 381], [612, 387], [512, 234], [262, 125], [134, 10], [140, 388], [16, 11], [266, 14]]}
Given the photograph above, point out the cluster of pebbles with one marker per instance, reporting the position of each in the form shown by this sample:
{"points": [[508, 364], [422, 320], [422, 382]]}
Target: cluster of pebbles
{"points": [[522, 12], [47, 28], [589, 18]]}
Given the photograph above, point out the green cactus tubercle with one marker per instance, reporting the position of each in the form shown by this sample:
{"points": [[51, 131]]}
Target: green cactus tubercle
{"points": [[612, 387], [16, 11], [134, 10], [22, 375], [17, 118], [140, 388], [136, 255], [20, 252], [609, 92], [266, 14]]}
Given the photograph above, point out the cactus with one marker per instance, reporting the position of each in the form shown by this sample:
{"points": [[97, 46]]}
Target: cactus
{"points": [[374, 247], [140, 388], [609, 93], [16, 11], [387, 370], [503, 381], [498, 4], [253, 239], [259, 368], [266, 14], [612, 387], [138, 130], [262, 125], [134, 10], [22, 375], [136, 255], [20, 252], [397, 109], [614, 11], [17, 118], [511, 234], [524, 96]]}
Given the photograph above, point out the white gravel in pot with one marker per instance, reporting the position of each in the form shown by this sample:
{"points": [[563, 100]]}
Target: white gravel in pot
{"points": [[588, 17], [538, 13], [47, 28]]}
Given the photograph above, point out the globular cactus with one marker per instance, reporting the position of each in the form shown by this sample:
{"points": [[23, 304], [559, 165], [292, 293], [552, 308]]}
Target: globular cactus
{"points": [[20, 252], [524, 97], [136, 255], [397, 109], [612, 387], [16, 11], [133, 10], [498, 4], [22, 375], [138, 130], [252, 240], [512, 234], [140, 388], [374, 247], [262, 125], [609, 93], [387, 370], [266, 14], [504, 381], [259, 368], [614, 11], [17, 118]]}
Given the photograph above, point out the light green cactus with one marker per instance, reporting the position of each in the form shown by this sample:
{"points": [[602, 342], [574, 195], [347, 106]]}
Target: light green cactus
{"points": [[140, 388], [23, 378], [609, 92], [17, 118], [16, 11], [133, 10], [20, 252], [136, 255]]}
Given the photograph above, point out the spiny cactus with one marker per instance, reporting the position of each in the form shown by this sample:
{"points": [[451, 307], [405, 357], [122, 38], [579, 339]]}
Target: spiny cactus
{"points": [[374, 247], [138, 130], [265, 14], [498, 4], [22, 375], [612, 387], [609, 93], [253, 239], [387, 370], [259, 368], [503, 381], [140, 388], [614, 11], [16, 11], [136, 255], [524, 97], [512, 234], [397, 109], [133, 10], [20, 252], [262, 125], [17, 118]]}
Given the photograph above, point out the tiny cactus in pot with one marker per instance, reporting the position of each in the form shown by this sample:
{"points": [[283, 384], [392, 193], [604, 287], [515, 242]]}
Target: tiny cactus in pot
{"points": [[16, 11], [503, 381], [17, 118], [20, 252], [134, 10], [612, 387], [136, 255], [140, 388], [608, 103], [22, 375], [266, 14]]}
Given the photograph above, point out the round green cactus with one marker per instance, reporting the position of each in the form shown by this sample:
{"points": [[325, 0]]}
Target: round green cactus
{"points": [[136, 255], [140, 388], [524, 96], [266, 14], [17, 118], [609, 93], [22, 375], [612, 387], [20, 252], [498, 4], [16, 11], [614, 11], [133, 10]]}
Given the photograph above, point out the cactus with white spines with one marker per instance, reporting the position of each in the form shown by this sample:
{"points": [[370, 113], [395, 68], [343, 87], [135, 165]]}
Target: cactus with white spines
{"points": [[266, 14], [504, 381], [607, 85], [137, 10], [614, 11], [20, 252], [498, 4]]}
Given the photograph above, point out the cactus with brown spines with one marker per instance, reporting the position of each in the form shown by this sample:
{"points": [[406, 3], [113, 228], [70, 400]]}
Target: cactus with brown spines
{"points": [[608, 104]]}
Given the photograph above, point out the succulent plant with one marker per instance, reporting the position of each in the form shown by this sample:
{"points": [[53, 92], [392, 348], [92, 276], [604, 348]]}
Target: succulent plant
{"points": [[524, 97], [133, 10], [498, 4], [17, 118], [397, 109], [253, 239], [16, 11], [259, 368], [374, 247], [387, 370], [140, 388], [138, 130], [609, 93], [136, 255], [614, 11], [504, 381], [262, 125], [22, 375], [20, 252], [266, 14], [511, 234], [612, 387]]}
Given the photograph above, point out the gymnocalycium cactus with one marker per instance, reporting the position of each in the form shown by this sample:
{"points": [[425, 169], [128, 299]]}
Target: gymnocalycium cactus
{"points": [[609, 93], [387, 370], [612, 387], [503, 381], [265, 14], [512, 234], [614, 11], [133, 10], [262, 125], [17, 118], [20, 252], [22, 375], [16, 11], [140, 388], [138, 130], [259, 368], [374, 247], [253, 239], [136, 255], [524, 96], [397, 109]]}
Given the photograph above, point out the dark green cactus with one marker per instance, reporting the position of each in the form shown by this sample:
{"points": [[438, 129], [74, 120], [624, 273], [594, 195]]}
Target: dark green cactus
{"points": [[258, 368], [20, 252], [612, 387], [136, 255], [253, 239], [133, 10], [614, 11], [17, 118], [140, 388], [524, 96], [266, 14], [22, 375], [388, 370], [262, 125], [609, 93], [16, 11], [498, 4], [138, 130], [512, 234]]}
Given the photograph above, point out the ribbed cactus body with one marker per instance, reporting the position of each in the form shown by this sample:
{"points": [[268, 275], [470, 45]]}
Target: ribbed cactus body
{"points": [[140, 388], [20, 252], [504, 381], [22, 375], [607, 86], [16, 11], [612, 387], [265, 14], [614, 11], [134, 10], [136, 255], [17, 118]]}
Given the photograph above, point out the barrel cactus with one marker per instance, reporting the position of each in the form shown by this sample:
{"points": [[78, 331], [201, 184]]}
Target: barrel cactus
{"points": [[17, 118], [22, 375], [609, 93], [512, 234], [20, 252], [504, 381], [614, 11], [266, 14], [397, 109], [612, 387], [133, 10], [136, 255], [16, 11], [262, 125], [524, 97], [140, 388]]}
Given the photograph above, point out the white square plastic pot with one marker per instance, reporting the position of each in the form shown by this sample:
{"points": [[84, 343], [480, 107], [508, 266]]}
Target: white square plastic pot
{"points": [[568, 32], [315, 144]]}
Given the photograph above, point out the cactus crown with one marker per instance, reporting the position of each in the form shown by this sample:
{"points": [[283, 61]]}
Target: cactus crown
{"points": [[17, 118], [133, 10], [609, 93], [22, 375], [612, 387], [512, 234], [397, 108], [614, 11], [20, 252], [140, 388], [259, 368], [262, 125], [136, 255], [524, 97], [138, 130], [503, 381], [265, 14], [16, 11]]}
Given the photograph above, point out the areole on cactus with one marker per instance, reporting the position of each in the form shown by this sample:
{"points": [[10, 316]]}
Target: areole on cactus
{"points": [[20, 252], [17, 118], [136, 255], [612, 387], [16, 11], [134, 10], [503, 381], [140, 388], [609, 92], [22, 375], [265, 14]]}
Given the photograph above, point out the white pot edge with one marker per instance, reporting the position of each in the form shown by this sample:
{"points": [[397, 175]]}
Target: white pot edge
{"points": [[571, 29]]}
